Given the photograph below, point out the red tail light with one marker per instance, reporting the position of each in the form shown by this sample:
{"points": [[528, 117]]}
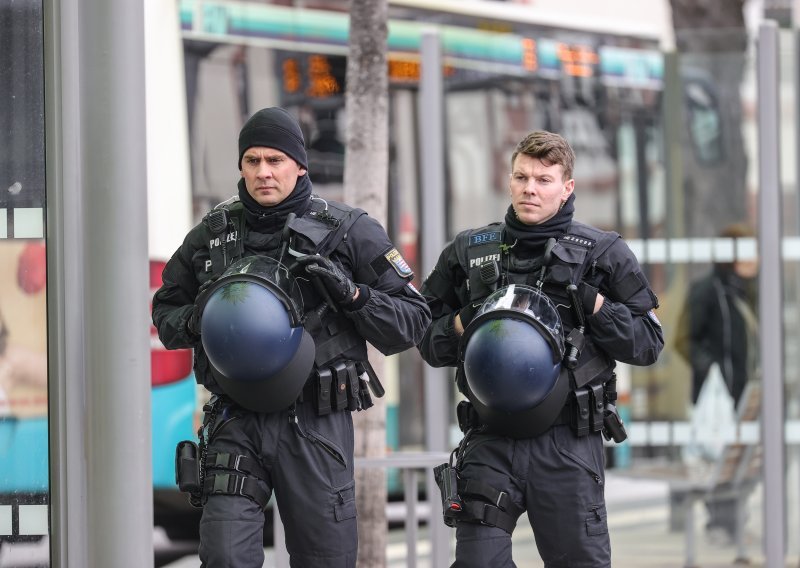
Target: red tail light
{"points": [[165, 366]]}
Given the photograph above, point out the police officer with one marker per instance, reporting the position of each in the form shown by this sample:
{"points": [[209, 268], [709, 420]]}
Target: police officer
{"points": [[538, 454], [354, 287]]}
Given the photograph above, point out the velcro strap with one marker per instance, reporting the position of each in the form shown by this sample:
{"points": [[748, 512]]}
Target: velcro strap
{"points": [[475, 488], [629, 285], [235, 462], [232, 484], [488, 515], [589, 370]]}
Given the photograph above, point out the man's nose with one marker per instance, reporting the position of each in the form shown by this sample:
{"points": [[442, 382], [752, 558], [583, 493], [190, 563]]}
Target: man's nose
{"points": [[264, 170]]}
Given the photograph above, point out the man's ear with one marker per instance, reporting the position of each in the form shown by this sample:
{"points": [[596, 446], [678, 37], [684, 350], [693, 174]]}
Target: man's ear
{"points": [[302, 171]]}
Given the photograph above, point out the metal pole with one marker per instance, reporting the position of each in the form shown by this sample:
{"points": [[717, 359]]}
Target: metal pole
{"points": [[101, 465], [432, 213], [770, 283], [410, 488], [69, 541], [796, 33], [796, 55]]}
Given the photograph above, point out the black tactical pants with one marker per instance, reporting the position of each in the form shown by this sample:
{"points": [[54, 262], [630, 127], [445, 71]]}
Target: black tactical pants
{"points": [[311, 472], [559, 479]]}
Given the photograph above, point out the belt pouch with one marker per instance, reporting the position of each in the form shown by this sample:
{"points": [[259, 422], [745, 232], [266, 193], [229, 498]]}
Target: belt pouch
{"points": [[339, 397], [598, 405], [353, 398], [580, 418], [323, 391]]}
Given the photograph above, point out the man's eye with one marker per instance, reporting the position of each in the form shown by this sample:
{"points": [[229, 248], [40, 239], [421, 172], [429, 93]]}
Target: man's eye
{"points": [[275, 161]]}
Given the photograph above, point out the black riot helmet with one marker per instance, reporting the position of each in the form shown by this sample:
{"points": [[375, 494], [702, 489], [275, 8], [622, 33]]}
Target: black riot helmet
{"points": [[252, 333], [511, 356]]}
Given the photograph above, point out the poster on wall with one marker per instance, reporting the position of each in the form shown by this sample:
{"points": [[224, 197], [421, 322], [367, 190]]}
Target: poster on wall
{"points": [[23, 329]]}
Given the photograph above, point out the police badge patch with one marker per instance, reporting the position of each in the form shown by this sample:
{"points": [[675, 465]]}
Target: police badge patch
{"points": [[399, 264]]}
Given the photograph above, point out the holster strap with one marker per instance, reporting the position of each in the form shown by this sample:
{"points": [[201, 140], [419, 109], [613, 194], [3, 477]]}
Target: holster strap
{"points": [[235, 462], [488, 515], [217, 483], [499, 499]]}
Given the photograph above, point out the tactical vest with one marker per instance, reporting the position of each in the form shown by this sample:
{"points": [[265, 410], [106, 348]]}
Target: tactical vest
{"points": [[489, 264], [319, 231]]}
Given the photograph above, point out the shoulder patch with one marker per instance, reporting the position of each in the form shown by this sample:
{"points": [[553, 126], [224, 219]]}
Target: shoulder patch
{"points": [[483, 238], [399, 264]]}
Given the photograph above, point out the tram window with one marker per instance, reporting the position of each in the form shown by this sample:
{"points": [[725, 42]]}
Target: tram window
{"points": [[705, 122]]}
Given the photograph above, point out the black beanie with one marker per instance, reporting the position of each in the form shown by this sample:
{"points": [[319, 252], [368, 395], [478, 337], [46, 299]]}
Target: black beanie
{"points": [[273, 128]]}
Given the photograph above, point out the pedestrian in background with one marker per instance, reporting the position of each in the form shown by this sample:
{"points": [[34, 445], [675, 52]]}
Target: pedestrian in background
{"points": [[718, 323], [718, 328]]}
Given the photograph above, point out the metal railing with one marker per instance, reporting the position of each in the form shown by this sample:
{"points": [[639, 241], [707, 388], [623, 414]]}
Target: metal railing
{"points": [[410, 463]]}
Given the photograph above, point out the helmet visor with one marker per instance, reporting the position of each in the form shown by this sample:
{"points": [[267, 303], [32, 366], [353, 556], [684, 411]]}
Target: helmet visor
{"points": [[271, 273], [531, 302]]}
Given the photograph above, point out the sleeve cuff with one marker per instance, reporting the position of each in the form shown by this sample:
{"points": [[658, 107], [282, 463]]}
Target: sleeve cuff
{"points": [[361, 301]]}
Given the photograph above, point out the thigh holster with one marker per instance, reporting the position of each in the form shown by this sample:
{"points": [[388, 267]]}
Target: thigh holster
{"points": [[232, 474], [473, 501]]}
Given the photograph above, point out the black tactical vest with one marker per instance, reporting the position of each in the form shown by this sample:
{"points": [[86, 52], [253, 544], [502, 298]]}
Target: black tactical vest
{"points": [[574, 258], [319, 231]]}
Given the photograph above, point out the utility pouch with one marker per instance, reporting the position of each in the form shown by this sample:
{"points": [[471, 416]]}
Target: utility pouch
{"points": [[446, 478], [366, 397], [339, 394], [187, 467], [353, 394], [598, 408], [324, 377], [613, 427], [580, 417]]}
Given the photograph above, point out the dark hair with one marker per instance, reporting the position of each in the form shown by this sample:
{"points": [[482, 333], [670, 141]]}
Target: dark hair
{"points": [[548, 147], [737, 231], [734, 231]]}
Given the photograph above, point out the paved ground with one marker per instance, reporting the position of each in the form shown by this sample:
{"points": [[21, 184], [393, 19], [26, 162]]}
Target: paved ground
{"points": [[639, 519]]}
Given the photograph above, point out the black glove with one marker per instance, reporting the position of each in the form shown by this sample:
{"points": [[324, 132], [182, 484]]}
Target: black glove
{"points": [[193, 323], [467, 313], [340, 288]]}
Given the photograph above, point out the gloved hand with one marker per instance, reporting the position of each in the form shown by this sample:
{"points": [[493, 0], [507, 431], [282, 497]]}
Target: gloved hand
{"points": [[193, 323], [466, 313], [339, 286]]}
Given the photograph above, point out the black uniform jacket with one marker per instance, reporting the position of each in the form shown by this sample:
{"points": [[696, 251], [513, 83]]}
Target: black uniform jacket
{"points": [[393, 318], [718, 325], [625, 329]]}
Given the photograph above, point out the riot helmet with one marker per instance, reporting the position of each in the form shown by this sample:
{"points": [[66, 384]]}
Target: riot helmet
{"points": [[251, 329], [511, 355]]}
